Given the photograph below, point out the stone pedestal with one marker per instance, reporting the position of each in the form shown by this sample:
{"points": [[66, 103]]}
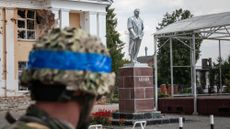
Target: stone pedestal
{"points": [[136, 89], [136, 97]]}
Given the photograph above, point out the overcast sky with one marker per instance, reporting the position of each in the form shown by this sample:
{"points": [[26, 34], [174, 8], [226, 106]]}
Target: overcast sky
{"points": [[152, 12]]}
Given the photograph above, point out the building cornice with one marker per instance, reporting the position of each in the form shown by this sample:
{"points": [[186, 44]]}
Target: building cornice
{"points": [[46, 4], [105, 2]]}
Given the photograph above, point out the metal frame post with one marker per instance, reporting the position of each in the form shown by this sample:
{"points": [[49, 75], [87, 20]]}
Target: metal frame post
{"points": [[171, 68], [155, 70], [194, 74], [191, 68], [220, 71]]}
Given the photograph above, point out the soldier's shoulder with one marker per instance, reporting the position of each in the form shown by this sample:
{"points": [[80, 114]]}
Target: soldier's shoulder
{"points": [[23, 125]]}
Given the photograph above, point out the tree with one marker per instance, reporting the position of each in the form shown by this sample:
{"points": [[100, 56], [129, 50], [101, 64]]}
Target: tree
{"points": [[114, 44], [181, 53], [226, 73], [215, 75]]}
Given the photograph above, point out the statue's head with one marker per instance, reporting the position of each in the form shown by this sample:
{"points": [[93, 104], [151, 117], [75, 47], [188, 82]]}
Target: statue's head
{"points": [[136, 12]]}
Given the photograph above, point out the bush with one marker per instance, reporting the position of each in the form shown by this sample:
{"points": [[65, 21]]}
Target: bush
{"points": [[187, 90], [162, 95]]}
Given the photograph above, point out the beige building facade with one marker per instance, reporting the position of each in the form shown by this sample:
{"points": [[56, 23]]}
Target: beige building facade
{"points": [[23, 21]]}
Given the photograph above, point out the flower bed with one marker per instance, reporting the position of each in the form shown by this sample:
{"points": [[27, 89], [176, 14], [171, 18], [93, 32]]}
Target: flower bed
{"points": [[101, 117]]}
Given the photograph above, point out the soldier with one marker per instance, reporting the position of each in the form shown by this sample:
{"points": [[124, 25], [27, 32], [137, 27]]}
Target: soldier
{"points": [[67, 70]]}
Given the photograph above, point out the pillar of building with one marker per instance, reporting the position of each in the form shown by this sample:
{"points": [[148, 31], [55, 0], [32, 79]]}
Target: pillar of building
{"points": [[11, 77], [2, 79], [95, 24], [102, 26], [64, 18]]}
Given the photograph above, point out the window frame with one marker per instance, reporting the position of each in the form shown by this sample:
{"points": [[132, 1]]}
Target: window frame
{"points": [[26, 23]]}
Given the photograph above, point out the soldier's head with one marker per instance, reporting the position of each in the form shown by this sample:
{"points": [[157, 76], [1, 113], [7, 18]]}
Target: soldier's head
{"points": [[68, 65], [136, 12]]}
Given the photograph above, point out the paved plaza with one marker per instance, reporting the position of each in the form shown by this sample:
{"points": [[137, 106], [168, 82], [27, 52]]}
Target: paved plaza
{"points": [[195, 122]]}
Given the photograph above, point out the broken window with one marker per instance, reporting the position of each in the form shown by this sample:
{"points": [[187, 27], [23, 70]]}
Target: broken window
{"points": [[21, 34], [21, 24], [30, 14], [21, 66], [30, 34], [30, 24], [26, 24], [21, 13]]}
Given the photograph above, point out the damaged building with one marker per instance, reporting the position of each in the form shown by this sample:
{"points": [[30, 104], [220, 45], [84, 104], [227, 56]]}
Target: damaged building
{"points": [[23, 21]]}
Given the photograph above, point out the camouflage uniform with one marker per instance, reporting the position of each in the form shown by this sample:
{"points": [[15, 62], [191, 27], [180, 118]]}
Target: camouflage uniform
{"points": [[38, 119], [93, 78]]}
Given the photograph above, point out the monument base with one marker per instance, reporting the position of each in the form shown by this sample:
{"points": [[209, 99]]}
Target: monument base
{"points": [[135, 89], [151, 118], [136, 100]]}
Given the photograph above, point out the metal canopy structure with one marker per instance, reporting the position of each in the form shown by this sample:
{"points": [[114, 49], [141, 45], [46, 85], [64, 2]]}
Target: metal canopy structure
{"points": [[197, 23], [209, 27]]}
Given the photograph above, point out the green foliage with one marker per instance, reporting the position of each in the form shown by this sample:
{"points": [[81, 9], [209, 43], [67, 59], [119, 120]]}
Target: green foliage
{"points": [[114, 44], [226, 73], [114, 98], [187, 90], [227, 82], [162, 95], [215, 75], [181, 53], [100, 120]]}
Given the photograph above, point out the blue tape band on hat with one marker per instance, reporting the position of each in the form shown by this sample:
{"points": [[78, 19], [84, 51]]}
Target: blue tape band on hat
{"points": [[67, 60]]}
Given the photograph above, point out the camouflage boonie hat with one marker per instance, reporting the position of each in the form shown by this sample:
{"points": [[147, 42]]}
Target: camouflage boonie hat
{"points": [[73, 58]]}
